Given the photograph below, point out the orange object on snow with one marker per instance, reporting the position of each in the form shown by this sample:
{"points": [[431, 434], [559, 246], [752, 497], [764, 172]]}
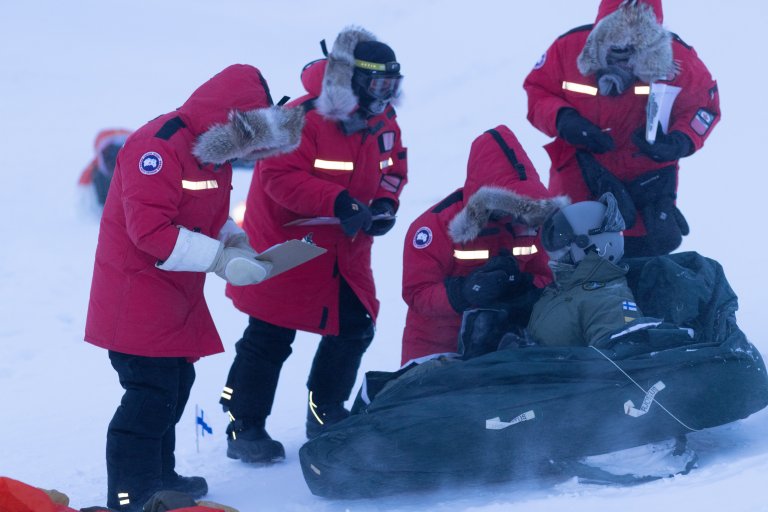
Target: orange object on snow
{"points": [[103, 139]]}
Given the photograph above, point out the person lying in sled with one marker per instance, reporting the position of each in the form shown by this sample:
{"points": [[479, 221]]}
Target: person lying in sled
{"points": [[588, 301], [589, 298]]}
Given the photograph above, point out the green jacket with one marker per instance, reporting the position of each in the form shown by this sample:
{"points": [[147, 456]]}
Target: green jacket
{"points": [[585, 303]]}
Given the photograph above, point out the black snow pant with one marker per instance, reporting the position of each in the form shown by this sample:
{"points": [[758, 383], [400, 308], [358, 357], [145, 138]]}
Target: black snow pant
{"points": [[141, 438], [264, 347]]}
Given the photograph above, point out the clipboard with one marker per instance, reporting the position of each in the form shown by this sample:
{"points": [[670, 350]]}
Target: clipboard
{"points": [[288, 255]]}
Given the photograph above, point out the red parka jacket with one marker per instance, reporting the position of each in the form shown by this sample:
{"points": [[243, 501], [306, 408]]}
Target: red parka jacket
{"points": [[369, 163], [136, 308], [431, 255], [556, 82]]}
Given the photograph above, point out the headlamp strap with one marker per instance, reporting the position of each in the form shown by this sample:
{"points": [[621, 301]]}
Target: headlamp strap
{"points": [[389, 67]]}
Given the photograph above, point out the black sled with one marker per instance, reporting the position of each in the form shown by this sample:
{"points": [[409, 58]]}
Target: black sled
{"points": [[514, 413]]}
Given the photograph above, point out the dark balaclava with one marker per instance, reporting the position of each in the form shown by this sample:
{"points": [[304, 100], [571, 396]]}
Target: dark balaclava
{"points": [[376, 78]]}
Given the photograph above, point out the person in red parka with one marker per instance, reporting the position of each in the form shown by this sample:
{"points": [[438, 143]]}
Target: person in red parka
{"points": [[98, 173], [347, 174], [590, 91], [477, 248], [165, 224]]}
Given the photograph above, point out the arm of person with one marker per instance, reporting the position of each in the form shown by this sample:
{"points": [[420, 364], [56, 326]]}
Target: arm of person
{"points": [[151, 200], [425, 270], [544, 86], [289, 181], [696, 110], [609, 313], [394, 175]]}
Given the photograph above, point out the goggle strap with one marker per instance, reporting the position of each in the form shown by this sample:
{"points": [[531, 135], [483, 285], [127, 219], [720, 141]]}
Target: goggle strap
{"points": [[324, 47]]}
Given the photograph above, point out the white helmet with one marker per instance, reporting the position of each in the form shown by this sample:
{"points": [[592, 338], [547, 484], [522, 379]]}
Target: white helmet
{"points": [[569, 234]]}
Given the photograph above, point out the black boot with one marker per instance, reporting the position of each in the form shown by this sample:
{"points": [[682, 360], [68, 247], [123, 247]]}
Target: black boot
{"points": [[250, 391], [195, 486], [252, 444], [320, 417]]}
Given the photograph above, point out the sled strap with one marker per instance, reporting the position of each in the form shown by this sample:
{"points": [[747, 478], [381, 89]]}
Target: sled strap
{"points": [[643, 390]]}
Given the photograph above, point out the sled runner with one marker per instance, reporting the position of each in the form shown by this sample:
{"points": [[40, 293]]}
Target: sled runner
{"points": [[513, 413]]}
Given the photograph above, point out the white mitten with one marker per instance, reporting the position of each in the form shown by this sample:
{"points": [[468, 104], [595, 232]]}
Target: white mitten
{"points": [[234, 261], [240, 267], [233, 235], [239, 240]]}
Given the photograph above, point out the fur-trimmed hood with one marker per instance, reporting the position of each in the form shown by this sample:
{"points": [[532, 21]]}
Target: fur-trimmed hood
{"points": [[337, 100], [251, 135], [471, 220], [635, 23], [501, 177], [233, 116], [330, 79]]}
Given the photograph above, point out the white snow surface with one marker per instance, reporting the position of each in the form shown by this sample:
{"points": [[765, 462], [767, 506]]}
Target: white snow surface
{"points": [[69, 69]]}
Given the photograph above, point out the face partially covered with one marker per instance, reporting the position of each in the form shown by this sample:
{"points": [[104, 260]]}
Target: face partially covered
{"points": [[376, 79]]}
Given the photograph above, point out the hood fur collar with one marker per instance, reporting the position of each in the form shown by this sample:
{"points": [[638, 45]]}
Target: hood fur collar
{"points": [[635, 24], [251, 135], [468, 223], [337, 100]]}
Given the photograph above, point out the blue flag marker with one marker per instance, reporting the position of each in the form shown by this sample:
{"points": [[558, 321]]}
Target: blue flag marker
{"points": [[204, 426]]}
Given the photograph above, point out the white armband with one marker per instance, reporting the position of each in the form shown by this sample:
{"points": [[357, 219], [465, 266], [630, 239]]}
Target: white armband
{"points": [[193, 252]]}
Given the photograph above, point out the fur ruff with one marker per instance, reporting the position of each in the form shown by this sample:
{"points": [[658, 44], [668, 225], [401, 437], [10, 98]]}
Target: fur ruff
{"points": [[337, 100], [632, 24], [471, 220], [251, 135]]}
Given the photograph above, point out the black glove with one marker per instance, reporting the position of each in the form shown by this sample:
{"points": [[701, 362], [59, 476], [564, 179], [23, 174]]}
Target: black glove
{"points": [[353, 214], [485, 285], [577, 131], [382, 206], [163, 501], [654, 194], [669, 147], [481, 330]]}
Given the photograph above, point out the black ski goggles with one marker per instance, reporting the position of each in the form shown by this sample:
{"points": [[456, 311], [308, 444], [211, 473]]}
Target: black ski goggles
{"points": [[557, 233], [380, 87], [379, 81]]}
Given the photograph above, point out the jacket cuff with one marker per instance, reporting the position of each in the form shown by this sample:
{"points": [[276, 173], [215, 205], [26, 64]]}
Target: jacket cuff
{"points": [[193, 252]]}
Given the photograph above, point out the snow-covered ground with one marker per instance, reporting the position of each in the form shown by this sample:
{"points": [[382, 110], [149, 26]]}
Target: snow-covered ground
{"points": [[68, 69]]}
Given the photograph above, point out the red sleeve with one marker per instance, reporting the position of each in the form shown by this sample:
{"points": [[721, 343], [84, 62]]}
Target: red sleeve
{"points": [[394, 177], [151, 201], [697, 107], [288, 180], [544, 86], [425, 270]]}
